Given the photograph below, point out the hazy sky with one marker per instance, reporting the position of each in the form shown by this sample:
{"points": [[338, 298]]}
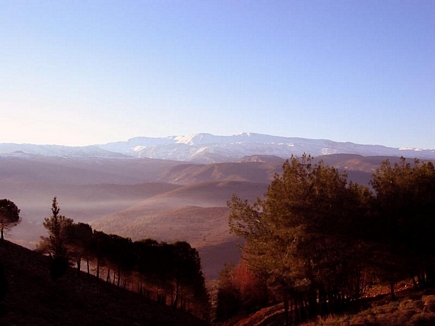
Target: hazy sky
{"points": [[86, 72]]}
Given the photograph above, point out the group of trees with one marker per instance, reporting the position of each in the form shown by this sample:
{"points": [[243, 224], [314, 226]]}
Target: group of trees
{"points": [[169, 273], [317, 240]]}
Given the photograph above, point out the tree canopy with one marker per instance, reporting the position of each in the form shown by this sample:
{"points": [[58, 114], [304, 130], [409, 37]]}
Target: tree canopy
{"points": [[297, 237], [318, 240], [404, 208], [9, 216]]}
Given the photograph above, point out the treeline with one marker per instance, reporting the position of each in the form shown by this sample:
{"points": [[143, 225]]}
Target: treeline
{"points": [[318, 242], [168, 273]]}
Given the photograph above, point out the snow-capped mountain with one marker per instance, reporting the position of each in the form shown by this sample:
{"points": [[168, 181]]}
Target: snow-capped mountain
{"points": [[207, 148]]}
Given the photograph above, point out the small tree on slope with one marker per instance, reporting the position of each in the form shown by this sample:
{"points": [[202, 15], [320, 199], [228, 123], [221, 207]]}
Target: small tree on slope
{"points": [[54, 244], [9, 216]]}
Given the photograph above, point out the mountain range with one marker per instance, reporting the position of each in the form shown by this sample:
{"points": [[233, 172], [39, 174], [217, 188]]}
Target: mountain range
{"points": [[208, 148]]}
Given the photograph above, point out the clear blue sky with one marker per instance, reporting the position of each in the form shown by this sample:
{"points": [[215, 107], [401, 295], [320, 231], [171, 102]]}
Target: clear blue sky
{"points": [[86, 72]]}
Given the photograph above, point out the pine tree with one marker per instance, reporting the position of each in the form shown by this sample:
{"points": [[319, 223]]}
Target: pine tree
{"points": [[54, 244]]}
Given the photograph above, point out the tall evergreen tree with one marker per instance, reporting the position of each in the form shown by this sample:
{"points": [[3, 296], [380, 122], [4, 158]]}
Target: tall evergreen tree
{"points": [[54, 244]]}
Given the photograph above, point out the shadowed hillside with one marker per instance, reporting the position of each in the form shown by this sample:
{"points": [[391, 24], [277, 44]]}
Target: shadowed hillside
{"points": [[206, 228], [195, 213], [33, 298]]}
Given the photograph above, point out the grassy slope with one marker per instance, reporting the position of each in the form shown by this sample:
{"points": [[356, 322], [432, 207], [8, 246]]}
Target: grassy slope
{"points": [[34, 299], [412, 308]]}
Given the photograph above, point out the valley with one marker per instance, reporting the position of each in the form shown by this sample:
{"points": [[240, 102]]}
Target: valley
{"points": [[147, 198], [117, 189]]}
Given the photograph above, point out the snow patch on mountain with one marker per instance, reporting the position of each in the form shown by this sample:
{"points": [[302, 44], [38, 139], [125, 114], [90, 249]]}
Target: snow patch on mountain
{"points": [[207, 148]]}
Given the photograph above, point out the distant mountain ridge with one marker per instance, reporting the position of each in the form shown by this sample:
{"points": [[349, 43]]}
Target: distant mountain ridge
{"points": [[208, 148]]}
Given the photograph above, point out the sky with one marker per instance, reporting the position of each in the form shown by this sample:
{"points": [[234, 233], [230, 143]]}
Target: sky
{"points": [[91, 72]]}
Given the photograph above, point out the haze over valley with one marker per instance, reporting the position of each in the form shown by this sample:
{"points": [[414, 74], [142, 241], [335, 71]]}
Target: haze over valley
{"points": [[116, 189]]}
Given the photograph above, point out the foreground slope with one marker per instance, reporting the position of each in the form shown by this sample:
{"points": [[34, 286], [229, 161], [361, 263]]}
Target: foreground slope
{"points": [[34, 299], [412, 308]]}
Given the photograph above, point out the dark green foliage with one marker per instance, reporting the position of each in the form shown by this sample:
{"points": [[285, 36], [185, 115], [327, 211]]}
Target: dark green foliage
{"points": [[318, 239], [404, 208], [9, 216], [299, 235]]}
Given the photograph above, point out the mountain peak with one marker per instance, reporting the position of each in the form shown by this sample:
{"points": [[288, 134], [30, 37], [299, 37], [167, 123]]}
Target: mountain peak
{"points": [[195, 139]]}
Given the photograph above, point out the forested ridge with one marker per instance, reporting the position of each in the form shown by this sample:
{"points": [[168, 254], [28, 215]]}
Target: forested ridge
{"points": [[34, 299], [167, 274], [318, 243]]}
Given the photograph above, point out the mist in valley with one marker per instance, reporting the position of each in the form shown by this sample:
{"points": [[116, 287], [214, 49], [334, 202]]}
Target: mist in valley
{"points": [[142, 198]]}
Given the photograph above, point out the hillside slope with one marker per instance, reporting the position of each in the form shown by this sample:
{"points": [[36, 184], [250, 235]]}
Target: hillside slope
{"points": [[412, 308], [34, 299]]}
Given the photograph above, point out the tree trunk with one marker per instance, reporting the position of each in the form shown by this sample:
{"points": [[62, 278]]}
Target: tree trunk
{"points": [[393, 295], [98, 268], [79, 262], [177, 289]]}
